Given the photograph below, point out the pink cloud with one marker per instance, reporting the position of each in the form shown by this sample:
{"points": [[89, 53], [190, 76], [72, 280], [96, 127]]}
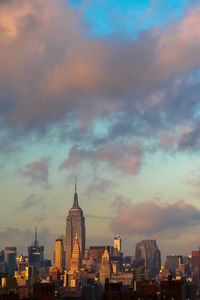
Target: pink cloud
{"points": [[149, 217], [98, 185], [75, 158], [37, 172], [56, 69], [178, 48], [170, 140], [124, 157]]}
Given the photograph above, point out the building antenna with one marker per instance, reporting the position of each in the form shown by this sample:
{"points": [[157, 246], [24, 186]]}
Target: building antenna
{"points": [[75, 185], [36, 233]]}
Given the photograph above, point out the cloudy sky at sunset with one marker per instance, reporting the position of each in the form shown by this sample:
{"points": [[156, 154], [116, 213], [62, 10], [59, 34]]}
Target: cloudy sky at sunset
{"points": [[107, 91]]}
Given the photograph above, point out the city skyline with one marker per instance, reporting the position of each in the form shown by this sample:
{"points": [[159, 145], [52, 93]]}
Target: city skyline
{"points": [[49, 241], [110, 95]]}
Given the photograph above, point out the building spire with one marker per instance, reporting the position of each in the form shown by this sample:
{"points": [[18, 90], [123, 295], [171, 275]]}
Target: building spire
{"points": [[75, 203], [35, 241]]}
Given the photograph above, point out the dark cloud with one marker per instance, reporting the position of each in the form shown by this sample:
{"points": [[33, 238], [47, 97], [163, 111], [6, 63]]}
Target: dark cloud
{"points": [[31, 202], [99, 185], [191, 139], [186, 137], [7, 147], [164, 115], [37, 172], [153, 218], [11, 236], [22, 238], [121, 203]]}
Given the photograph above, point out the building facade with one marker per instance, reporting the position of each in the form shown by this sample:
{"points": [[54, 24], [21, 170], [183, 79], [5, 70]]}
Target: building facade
{"points": [[35, 259], [105, 268], [10, 254], [59, 254], [148, 251], [196, 268], [173, 262], [118, 243]]}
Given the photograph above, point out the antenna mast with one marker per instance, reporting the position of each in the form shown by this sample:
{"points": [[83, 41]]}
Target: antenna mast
{"points": [[36, 241]]}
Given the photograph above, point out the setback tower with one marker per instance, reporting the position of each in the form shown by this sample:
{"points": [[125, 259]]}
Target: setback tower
{"points": [[75, 230]]}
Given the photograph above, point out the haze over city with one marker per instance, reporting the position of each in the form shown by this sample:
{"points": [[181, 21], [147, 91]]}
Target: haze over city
{"points": [[109, 93]]}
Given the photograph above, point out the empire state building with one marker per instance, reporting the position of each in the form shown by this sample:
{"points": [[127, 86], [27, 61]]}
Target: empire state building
{"points": [[75, 228]]}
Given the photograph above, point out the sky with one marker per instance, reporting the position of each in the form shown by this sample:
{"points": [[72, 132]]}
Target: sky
{"points": [[107, 91]]}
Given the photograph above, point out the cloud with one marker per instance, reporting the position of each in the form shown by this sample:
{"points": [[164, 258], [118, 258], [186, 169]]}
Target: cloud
{"points": [[29, 24], [190, 140], [184, 36], [152, 218], [121, 203], [75, 157], [193, 183], [172, 140], [98, 217], [6, 147], [22, 238], [70, 73], [37, 172], [99, 185], [124, 157], [31, 202], [185, 137]]}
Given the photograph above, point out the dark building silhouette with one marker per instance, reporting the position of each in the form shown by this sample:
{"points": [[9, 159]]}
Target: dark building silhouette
{"points": [[10, 254], [43, 291], [148, 251], [173, 262], [196, 268]]}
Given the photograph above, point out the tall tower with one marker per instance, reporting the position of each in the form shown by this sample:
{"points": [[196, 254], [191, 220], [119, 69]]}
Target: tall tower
{"points": [[105, 267], [35, 252], [75, 226], [35, 258], [118, 243], [148, 251], [10, 260], [59, 254]]}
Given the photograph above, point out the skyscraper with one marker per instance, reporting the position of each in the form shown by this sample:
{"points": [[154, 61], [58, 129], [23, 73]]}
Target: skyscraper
{"points": [[75, 226], [147, 250], [35, 252], [10, 260], [105, 267], [196, 268], [59, 254], [118, 243], [35, 257], [173, 262]]}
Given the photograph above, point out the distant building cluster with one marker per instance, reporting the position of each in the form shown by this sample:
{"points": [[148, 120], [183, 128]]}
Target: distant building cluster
{"points": [[99, 272]]}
